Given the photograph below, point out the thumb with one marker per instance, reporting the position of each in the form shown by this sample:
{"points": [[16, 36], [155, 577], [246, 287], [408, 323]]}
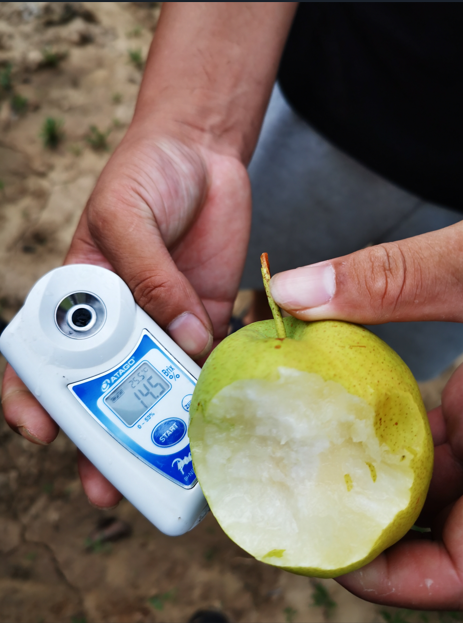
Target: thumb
{"points": [[419, 278], [134, 249]]}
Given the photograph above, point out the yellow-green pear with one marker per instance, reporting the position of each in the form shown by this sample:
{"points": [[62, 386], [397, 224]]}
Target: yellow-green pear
{"points": [[314, 449]]}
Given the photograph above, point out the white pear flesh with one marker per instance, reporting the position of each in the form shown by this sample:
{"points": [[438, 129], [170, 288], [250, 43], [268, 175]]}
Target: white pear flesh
{"points": [[289, 461], [314, 451]]}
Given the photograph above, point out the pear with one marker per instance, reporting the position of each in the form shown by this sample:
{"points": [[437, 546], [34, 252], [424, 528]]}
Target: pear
{"points": [[311, 443]]}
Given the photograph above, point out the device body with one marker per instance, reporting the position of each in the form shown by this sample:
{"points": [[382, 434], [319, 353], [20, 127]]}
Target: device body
{"points": [[116, 384]]}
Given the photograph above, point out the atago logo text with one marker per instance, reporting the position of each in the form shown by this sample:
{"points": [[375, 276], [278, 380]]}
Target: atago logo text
{"points": [[117, 375]]}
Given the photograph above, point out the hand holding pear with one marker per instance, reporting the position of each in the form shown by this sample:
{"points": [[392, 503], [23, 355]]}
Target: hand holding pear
{"points": [[311, 443]]}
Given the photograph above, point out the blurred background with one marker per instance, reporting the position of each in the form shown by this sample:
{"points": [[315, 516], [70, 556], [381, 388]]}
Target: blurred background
{"points": [[69, 77]]}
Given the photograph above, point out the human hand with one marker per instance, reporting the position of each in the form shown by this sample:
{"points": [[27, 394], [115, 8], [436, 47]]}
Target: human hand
{"points": [[420, 278], [415, 279], [425, 571], [172, 218], [171, 211]]}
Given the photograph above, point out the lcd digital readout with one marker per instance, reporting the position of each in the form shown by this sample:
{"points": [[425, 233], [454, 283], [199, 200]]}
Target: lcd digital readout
{"points": [[139, 392]]}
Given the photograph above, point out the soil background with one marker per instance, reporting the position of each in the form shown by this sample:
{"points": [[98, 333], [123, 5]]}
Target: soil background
{"points": [[60, 559]]}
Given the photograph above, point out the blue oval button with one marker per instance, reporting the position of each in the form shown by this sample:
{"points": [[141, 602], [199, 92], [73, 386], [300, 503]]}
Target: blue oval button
{"points": [[186, 402], [168, 432]]}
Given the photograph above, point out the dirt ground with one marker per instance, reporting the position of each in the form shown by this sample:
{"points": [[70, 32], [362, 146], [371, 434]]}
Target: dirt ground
{"points": [[81, 64]]}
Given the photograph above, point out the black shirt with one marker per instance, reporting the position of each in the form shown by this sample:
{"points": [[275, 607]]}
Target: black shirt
{"points": [[384, 82]]}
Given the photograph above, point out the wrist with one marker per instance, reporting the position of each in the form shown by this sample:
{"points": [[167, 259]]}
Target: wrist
{"points": [[210, 72], [211, 121]]}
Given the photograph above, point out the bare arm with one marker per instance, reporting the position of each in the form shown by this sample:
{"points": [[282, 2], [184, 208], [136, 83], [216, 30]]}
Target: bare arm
{"points": [[211, 69]]}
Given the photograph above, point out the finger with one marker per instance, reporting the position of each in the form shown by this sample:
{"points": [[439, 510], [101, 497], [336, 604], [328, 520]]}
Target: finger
{"points": [[452, 410], [213, 263], [122, 221], [23, 413], [437, 425], [83, 249], [447, 483], [419, 278], [447, 423], [100, 492], [418, 573], [27, 417], [413, 574]]}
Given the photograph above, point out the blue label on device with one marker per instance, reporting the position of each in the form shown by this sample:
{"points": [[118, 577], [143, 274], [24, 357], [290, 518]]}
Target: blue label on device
{"points": [[169, 432], [150, 377]]}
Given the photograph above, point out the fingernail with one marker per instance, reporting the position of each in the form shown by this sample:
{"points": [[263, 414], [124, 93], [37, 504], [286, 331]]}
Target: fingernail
{"points": [[305, 287], [190, 334], [102, 508], [24, 432]]}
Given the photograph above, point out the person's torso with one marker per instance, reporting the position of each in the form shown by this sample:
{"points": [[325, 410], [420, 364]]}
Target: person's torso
{"points": [[383, 81]]}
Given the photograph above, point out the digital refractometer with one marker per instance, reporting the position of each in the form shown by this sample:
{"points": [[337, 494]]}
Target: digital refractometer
{"points": [[116, 384]]}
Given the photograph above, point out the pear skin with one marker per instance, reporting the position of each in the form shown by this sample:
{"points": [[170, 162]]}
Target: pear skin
{"points": [[346, 354]]}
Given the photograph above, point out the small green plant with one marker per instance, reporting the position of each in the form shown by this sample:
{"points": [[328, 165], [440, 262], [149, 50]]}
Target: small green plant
{"points": [[397, 616], [322, 599], [76, 150], [290, 614], [135, 32], [136, 58], [403, 615], [97, 546], [158, 601], [19, 104], [420, 529], [116, 98], [31, 556], [48, 488], [6, 82], [450, 617], [78, 619], [98, 140], [52, 58], [52, 132], [2, 185], [209, 554]]}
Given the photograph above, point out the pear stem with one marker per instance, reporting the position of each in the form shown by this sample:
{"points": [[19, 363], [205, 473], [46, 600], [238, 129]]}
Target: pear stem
{"points": [[276, 313]]}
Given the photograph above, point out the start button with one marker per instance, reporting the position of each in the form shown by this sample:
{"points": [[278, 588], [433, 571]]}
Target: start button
{"points": [[169, 432]]}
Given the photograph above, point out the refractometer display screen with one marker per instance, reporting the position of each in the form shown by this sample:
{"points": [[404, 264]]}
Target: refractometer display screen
{"points": [[139, 392]]}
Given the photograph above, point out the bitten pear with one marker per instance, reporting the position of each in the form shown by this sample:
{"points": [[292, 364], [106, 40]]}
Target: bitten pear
{"points": [[314, 449]]}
